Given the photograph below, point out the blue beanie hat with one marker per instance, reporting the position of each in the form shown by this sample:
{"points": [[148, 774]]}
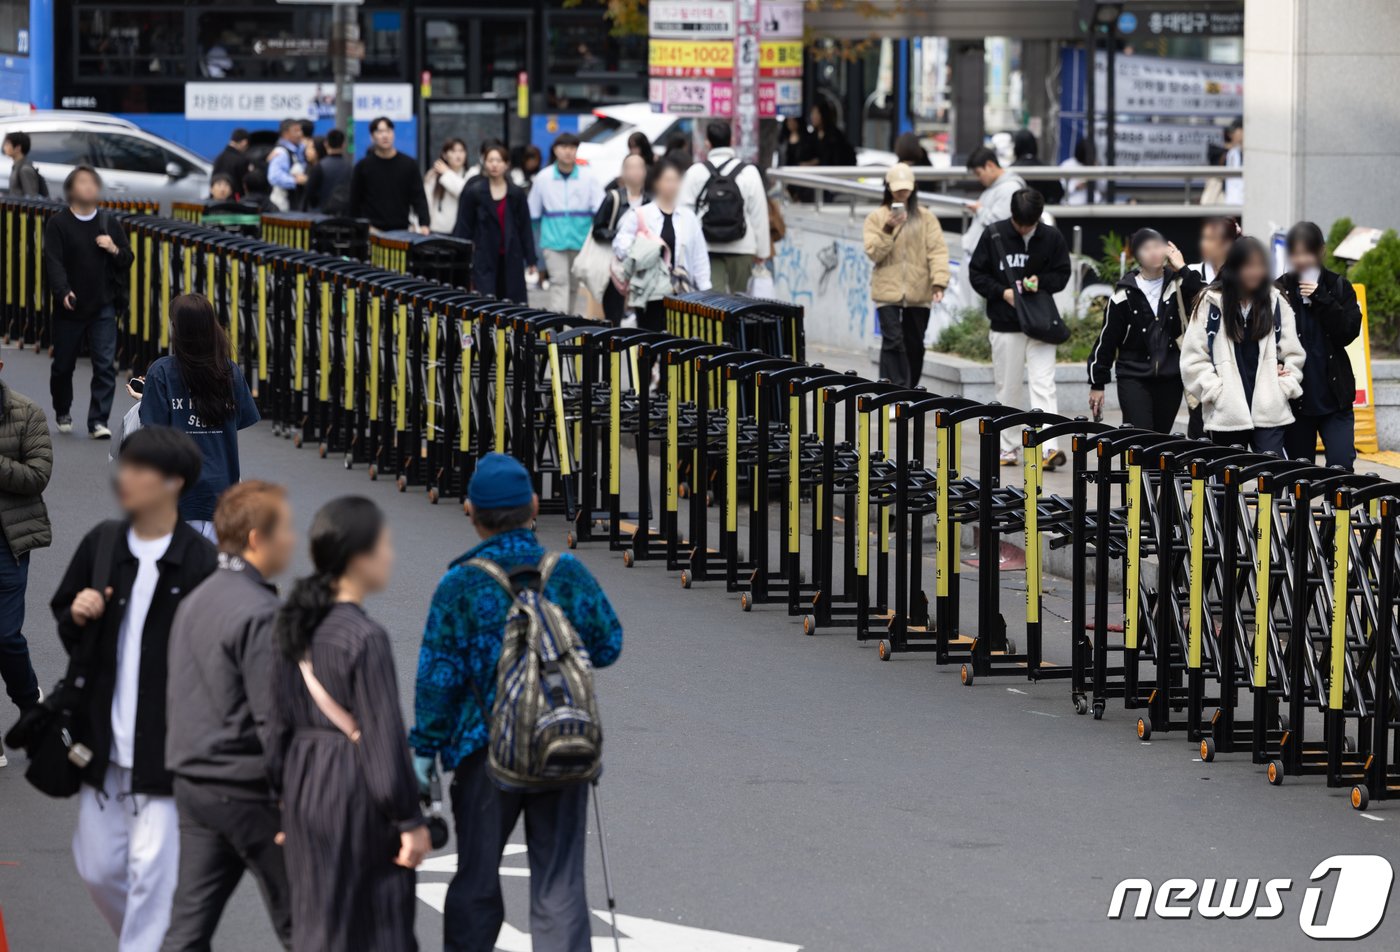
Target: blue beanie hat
{"points": [[500, 482]]}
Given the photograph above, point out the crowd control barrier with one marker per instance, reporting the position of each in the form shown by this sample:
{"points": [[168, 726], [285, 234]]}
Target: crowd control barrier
{"points": [[1246, 602]]}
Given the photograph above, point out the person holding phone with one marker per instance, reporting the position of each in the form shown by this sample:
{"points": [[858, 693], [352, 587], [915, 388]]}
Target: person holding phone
{"points": [[905, 244], [1328, 319]]}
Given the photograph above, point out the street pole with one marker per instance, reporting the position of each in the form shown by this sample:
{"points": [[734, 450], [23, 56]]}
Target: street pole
{"points": [[1110, 126], [341, 30], [746, 53]]}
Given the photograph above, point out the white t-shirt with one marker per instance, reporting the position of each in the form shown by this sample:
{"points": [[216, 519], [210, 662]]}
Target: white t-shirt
{"points": [[148, 552], [1152, 287]]}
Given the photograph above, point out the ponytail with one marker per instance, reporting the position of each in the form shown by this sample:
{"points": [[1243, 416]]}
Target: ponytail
{"points": [[343, 528]]}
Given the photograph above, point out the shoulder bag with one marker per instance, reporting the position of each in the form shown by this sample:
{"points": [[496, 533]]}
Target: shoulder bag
{"points": [[1036, 313]]}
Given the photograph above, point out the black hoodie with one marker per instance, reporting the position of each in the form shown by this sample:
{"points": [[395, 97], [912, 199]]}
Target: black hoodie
{"points": [[1139, 342]]}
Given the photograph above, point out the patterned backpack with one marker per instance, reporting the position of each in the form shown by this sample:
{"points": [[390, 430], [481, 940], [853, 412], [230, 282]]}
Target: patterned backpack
{"points": [[544, 723]]}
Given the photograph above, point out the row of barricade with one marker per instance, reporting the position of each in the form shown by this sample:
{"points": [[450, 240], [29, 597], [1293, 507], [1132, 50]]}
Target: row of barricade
{"points": [[1242, 601]]}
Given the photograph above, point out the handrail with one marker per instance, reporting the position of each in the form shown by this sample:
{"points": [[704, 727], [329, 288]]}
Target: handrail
{"points": [[1034, 172]]}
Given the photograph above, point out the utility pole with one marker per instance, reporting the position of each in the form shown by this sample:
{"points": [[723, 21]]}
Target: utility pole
{"points": [[746, 54], [345, 29]]}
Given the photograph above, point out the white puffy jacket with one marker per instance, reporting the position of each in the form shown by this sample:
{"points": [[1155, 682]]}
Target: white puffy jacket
{"points": [[1215, 382]]}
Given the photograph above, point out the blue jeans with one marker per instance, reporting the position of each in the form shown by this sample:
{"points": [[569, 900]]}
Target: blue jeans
{"points": [[15, 668], [101, 334]]}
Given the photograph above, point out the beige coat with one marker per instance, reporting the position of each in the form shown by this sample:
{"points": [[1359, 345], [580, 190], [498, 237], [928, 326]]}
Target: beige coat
{"points": [[910, 263]]}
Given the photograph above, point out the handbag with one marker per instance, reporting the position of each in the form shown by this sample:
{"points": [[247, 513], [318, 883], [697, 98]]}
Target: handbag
{"points": [[50, 732], [1036, 313]]}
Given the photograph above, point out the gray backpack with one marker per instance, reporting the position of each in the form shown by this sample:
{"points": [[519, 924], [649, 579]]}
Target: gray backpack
{"points": [[544, 723]]}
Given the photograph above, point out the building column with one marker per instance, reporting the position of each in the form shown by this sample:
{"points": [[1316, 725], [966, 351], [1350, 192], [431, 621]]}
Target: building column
{"points": [[1035, 67], [969, 81], [1320, 134]]}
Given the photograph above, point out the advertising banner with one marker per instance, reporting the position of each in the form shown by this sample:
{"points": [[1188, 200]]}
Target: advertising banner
{"points": [[696, 51], [1155, 86], [276, 101]]}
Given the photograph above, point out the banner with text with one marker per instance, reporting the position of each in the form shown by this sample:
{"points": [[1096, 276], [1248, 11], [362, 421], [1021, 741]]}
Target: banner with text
{"points": [[276, 101], [692, 56]]}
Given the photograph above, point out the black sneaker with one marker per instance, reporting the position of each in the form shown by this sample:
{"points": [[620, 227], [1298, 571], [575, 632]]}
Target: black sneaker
{"points": [[65, 424]]}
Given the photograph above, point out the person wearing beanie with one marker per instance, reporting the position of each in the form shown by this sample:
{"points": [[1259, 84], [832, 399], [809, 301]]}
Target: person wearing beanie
{"points": [[455, 693], [1141, 324], [910, 273]]}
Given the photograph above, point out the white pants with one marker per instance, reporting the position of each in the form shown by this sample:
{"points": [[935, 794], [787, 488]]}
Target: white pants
{"points": [[127, 850], [1014, 355], [563, 286]]}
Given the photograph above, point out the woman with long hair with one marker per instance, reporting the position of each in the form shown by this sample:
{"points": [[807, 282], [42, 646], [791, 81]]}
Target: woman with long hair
{"points": [[628, 193], [1240, 356], [662, 248], [910, 273], [1217, 235], [496, 220], [338, 756], [199, 390], [443, 185], [1329, 318]]}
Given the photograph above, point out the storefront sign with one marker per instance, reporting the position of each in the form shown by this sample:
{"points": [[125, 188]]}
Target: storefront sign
{"points": [[698, 59], [1154, 86], [781, 19], [690, 20], [1151, 143], [780, 58], [1196, 22], [276, 101]]}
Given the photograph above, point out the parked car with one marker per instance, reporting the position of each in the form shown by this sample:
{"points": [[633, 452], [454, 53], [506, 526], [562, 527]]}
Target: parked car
{"points": [[603, 145], [132, 161]]}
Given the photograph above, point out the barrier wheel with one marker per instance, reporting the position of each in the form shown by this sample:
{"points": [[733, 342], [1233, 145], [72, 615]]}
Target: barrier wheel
{"points": [[1207, 750], [1360, 797], [745, 603], [685, 578], [627, 558], [1275, 772], [1283, 723], [373, 472], [1098, 710], [1349, 745], [966, 675], [883, 650], [433, 495], [1144, 728], [402, 483], [809, 625], [1010, 646], [1081, 704], [570, 540], [321, 450]]}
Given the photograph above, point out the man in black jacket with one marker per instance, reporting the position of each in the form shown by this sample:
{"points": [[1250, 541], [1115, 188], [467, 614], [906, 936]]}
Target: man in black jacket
{"points": [[386, 184], [87, 262], [218, 697], [1021, 255], [114, 609], [233, 161], [328, 182]]}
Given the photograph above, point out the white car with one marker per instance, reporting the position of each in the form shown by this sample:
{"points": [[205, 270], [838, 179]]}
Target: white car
{"points": [[603, 145], [133, 163]]}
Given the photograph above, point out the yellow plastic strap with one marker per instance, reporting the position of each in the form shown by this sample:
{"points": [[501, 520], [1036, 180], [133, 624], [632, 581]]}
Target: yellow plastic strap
{"points": [[299, 336], [673, 467], [262, 321], [146, 263], [24, 266], [233, 315], [432, 374], [351, 338], [941, 530], [211, 280], [615, 424], [1196, 589], [401, 369], [1031, 475], [794, 538], [323, 387], [954, 536], [133, 320], [862, 493], [501, 389], [372, 352], [885, 510], [1130, 559], [561, 427], [1341, 556], [731, 455], [165, 278], [464, 428], [819, 494], [1263, 536], [9, 243], [187, 260]]}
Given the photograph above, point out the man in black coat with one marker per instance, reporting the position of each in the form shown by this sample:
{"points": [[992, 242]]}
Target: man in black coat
{"points": [[114, 609], [233, 161], [222, 641]]}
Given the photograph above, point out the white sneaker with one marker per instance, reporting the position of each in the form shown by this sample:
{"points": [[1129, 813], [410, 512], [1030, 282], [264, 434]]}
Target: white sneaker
{"points": [[4, 761], [65, 424], [100, 432], [1010, 457]]}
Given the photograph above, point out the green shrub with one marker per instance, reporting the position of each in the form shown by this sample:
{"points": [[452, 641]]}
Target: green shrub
{"points": [[1083, 333], [1111, 260], [1379, 270], [1335, 236], [967, 336]]}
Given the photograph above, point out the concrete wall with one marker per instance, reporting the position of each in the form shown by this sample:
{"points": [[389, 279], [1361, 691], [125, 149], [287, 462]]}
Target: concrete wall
{"points": [[1322, 121]]}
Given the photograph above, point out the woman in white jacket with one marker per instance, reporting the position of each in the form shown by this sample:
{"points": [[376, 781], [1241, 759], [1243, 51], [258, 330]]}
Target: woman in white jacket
{"points": [[666, 227], [1241, 357], [443, 185]]}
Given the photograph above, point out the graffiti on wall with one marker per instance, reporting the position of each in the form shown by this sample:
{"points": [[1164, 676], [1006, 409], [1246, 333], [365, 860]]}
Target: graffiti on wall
{"points": [[830, 277]]}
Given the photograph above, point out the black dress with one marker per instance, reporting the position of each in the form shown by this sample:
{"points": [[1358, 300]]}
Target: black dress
{"points": [[343, 807]]}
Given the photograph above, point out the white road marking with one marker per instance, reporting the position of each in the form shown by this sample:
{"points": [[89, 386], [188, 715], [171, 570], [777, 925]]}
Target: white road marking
{"points": [[1042, 714], [1017, 691], [1367, 816]]}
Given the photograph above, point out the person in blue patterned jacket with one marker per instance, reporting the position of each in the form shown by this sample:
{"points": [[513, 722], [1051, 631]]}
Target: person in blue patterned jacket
{"points": [[456, 669]]}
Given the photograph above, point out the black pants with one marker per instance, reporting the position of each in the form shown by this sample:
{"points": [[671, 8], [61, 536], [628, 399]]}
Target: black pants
{"points": [[1261, 439], [902, 343], [556, 825], [15, 667], [1150, 403], [1338, 432], [220, 837], [1196, 426], [614, 305], [101, 335], [653, 316]]}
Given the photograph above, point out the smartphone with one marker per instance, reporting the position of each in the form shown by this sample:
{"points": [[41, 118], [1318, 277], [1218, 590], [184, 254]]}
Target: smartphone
{"points": [[897, 208], [137, 384]]}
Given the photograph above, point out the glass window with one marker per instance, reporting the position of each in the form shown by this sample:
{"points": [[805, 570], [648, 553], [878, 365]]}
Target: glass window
{"points": [[445, 44], [587, 65], [60, 148], [233, 44], [126, 153], [14, 27], [140, 44], [602, 129], [503, 49], [381, 32]]}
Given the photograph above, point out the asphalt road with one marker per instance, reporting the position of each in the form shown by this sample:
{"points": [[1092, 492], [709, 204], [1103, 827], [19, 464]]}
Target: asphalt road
{"points": [[779, 787]]}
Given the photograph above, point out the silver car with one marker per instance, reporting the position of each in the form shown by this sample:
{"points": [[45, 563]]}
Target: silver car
{"points": [[133, 163]]}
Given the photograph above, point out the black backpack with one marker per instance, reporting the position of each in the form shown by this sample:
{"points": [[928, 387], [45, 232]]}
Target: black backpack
{"points": [[43, 184], [721, 205]]}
